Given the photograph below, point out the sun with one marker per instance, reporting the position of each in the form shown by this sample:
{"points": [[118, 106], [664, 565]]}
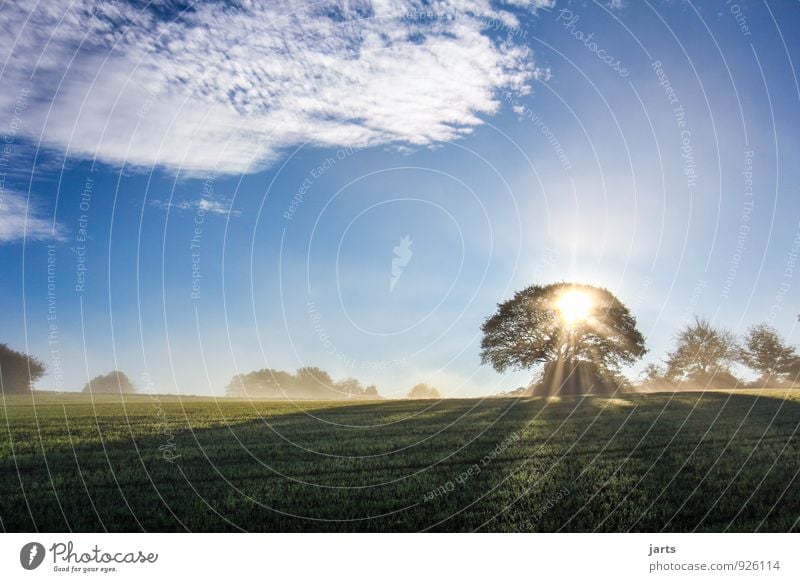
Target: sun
{"points": [[574, 306]]}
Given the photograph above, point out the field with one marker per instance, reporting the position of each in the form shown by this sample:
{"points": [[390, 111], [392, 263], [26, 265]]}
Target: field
{"points": [[640, 462]]}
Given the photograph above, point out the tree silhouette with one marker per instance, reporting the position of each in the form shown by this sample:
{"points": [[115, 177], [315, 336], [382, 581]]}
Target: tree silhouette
{"points": [[18, 371], [767, 353], [580, 347], [703, 355]]}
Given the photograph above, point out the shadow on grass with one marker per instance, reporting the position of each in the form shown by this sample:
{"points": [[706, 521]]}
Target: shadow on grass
{"points": [[688, 461]]}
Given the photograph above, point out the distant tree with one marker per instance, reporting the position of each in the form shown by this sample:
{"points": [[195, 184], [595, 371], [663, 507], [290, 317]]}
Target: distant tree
{"points": [[516, 392], [703, 355], [766, 352], [581, 333], [791, 370], [653, 377], [115, 382], [237, 386], [314, 382], [423, 391], [18, 371], [266, 383], [349, 388], [309, 382]]}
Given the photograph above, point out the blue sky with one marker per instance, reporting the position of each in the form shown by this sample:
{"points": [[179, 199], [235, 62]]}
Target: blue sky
{"points": [[235, 178]]}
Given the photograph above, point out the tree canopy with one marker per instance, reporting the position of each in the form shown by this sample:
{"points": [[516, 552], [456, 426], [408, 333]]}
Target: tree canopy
{"points": [[703, 355], [18, 371], [531, 328], [768, 354]]}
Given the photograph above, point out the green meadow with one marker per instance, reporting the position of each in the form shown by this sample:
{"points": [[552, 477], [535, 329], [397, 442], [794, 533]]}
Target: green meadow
{"points": [[694, 461]]}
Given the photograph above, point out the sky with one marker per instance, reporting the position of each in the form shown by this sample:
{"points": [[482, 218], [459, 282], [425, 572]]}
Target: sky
{"points": [[190, 191]]}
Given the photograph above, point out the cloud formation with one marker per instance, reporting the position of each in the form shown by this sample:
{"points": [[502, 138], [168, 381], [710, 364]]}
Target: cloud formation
{"points": [[218, 87], [219, 206], [19, 220]]}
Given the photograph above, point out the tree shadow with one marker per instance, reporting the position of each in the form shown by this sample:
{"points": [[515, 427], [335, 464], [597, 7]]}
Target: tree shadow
{"points": [[634, 462]]}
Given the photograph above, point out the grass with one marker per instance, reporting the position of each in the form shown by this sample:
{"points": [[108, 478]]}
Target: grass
{"points": [[639, 462]]}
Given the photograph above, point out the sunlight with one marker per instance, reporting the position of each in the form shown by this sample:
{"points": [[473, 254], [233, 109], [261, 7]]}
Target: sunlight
{"points": [[574, 306]]}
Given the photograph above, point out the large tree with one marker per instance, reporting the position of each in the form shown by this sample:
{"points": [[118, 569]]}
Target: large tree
{"points": [[573, 329], [561, 321], [703, 355], [767, 353], [18, 371]]}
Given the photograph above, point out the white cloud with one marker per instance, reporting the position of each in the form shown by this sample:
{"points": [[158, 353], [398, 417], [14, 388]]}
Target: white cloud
{"points": [[20, 220], [226, 88], [219, 206]]}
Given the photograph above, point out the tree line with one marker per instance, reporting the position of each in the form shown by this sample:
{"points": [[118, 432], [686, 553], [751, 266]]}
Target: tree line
{"points": [[309, 382], [578, 335], [704, 355], [19, 371]]}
